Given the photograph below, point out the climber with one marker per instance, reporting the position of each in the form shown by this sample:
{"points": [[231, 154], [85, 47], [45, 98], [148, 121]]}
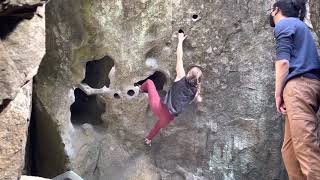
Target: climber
{"points": [[184, 90], [297, 89]]}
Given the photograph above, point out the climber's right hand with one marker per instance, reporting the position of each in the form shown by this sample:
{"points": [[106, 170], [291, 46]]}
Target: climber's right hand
{"points": [[182, 37]]}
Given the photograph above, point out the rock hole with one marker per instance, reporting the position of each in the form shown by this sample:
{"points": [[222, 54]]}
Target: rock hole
{"points": [[159, 79], [131, 92], [116, 95], [180, 31], [97, 72], [86, 109], [195, 16]]}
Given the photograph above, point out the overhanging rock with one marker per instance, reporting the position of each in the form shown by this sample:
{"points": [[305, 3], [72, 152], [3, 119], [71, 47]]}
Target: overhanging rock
{"points": [[234, 134]]}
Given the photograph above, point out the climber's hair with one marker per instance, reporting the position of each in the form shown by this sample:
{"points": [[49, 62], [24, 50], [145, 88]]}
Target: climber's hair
{"points": [[197, 67], [292, 8], [195, 81]]}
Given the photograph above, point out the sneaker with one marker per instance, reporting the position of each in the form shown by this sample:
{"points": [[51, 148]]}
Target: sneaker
{"points": [[147, 142]]}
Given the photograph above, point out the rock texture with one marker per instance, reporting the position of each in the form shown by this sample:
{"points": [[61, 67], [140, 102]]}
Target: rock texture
{"points": [[22, 46], [14, 121], [32, 178], [92, 119], [15, 7], [315, 16]]}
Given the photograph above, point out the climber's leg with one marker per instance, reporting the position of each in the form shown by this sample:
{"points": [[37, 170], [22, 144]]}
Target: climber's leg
{"points": [[158, 108], [153, 96], [165, 119]]}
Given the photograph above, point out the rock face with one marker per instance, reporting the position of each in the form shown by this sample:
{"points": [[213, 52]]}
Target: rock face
{"points": [[315, 15], [32, 178], [92, 119], [14, 122], [22, 46], [9, 6]]}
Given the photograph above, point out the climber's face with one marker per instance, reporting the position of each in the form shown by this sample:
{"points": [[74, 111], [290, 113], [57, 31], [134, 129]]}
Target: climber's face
{"points": [[194, 75]]}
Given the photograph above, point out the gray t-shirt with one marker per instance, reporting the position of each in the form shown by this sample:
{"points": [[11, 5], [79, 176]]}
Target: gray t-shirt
{"points": [[180, 94]]}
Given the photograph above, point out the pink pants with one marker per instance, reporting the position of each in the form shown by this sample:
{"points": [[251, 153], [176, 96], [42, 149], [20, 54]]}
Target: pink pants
{"points": [[159, 109]]}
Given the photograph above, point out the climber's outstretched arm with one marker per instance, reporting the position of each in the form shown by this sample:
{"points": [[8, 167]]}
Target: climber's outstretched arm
{"points": [[179, 66]]}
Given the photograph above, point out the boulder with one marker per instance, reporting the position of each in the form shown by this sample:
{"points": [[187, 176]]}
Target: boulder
{"points": [[14, 122], [90, 110], [22, 46]]}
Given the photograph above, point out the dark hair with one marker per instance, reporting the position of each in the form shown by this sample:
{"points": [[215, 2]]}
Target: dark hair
{"points": [[292, 8]]}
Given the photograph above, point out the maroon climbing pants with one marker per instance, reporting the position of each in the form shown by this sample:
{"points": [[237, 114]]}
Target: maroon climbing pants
{"points": [[159, 109], [301, 146]]}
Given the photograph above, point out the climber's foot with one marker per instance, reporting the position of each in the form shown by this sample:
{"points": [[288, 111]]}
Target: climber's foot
{"points": [[147, 142]]}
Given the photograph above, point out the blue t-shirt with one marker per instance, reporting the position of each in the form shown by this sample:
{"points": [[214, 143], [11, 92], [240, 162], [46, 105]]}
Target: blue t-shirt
{"points": [[295, 43]]}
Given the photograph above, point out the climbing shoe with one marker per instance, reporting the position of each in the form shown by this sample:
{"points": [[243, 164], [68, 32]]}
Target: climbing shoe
{"points": [[147, 142]]}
